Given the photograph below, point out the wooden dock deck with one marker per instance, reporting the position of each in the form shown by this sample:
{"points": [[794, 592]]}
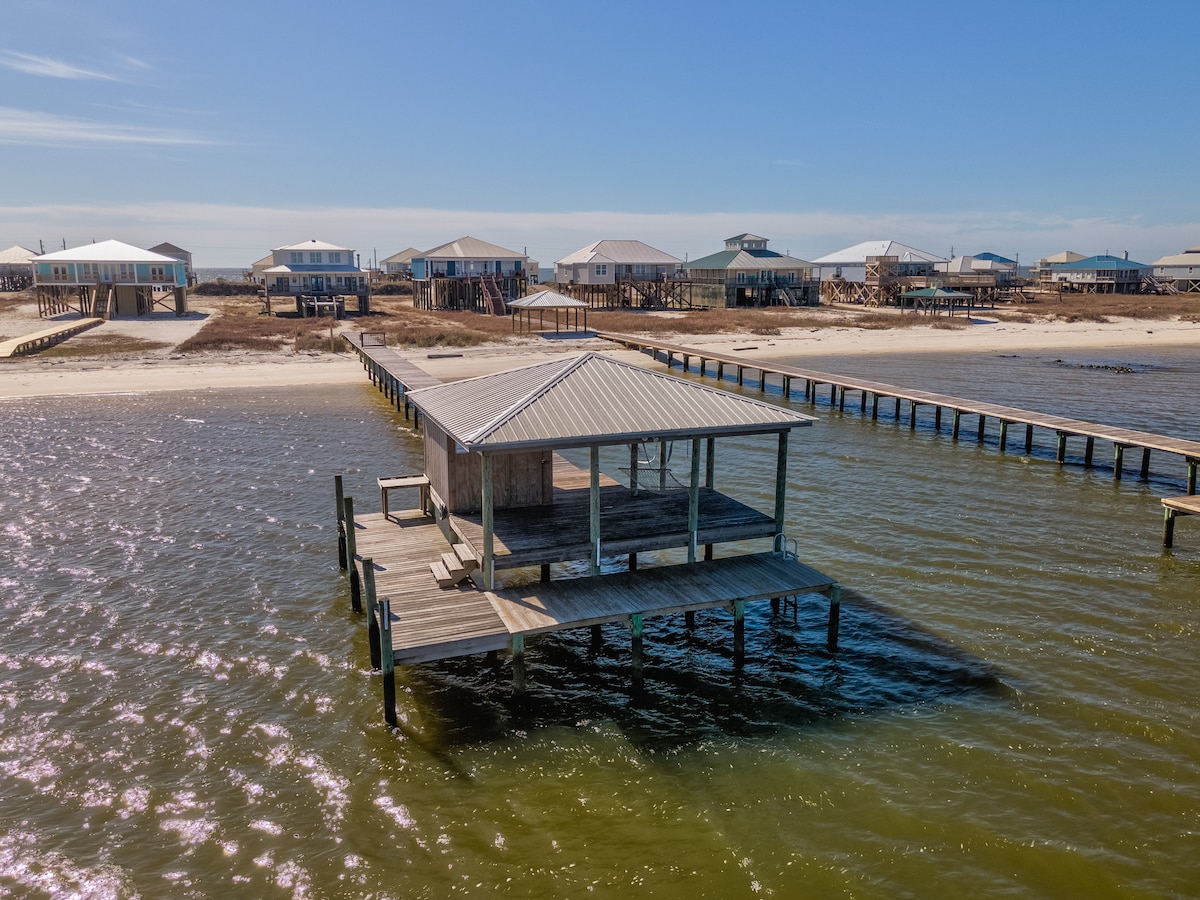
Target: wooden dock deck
{"points": [[429, 622], [1173, 508], [839, 385]]}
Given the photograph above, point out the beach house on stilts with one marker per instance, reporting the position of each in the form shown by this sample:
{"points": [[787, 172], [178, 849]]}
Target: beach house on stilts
{"points": [[643, 488], [109, 278], [470, 274]]}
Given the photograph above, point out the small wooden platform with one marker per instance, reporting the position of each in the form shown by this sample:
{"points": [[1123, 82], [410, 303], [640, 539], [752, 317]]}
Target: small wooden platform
{"points": [[1173, 508]]}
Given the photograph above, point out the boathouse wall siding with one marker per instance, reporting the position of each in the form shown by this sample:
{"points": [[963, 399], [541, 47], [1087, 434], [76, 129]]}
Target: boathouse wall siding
{"points": [[519, 479]]}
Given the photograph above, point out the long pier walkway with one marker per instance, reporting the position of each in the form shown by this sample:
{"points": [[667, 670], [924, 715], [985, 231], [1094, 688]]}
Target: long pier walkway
{"points": [[1122, 439]]}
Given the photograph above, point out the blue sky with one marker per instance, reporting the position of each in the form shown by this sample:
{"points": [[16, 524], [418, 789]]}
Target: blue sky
{"points": [[1024, 128]]}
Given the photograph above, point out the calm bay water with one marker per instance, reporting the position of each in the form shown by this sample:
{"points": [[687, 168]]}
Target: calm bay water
{"points": [[187, 707]]}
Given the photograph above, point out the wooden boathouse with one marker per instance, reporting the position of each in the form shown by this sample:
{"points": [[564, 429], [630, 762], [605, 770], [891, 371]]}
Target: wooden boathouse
{"points": [[497, 496]]}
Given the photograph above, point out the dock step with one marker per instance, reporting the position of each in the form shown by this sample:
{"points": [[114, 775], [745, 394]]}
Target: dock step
{"points": [[467, 555], [454, 566], [443, 576]]}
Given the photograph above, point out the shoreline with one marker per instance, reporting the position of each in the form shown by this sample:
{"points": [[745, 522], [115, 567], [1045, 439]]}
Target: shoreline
{"points": [[37, 377]]}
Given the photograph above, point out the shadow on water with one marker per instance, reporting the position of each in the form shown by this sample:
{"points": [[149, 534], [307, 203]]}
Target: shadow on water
{"points": [[692, 692]]}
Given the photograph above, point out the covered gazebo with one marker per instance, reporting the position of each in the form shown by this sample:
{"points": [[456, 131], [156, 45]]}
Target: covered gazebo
{"points": [[491, 457], [524, 308]]}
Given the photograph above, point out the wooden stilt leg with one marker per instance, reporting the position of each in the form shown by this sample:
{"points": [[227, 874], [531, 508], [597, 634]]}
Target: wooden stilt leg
{"points": [[957, 423], [1145, 472], [1003, 436], [1089, 448], [1028, 438], [1168, 527], [518, 663], [835, 615], [387, 662], [739, 632], [1118, 461], [635, 629], [1061, 452]]}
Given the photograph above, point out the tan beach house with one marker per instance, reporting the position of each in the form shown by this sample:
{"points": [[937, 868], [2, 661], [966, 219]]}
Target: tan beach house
{"points": [[606, 262], [470, 274]]}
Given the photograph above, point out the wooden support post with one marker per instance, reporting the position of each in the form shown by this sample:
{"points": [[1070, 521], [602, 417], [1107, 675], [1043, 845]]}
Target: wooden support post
{"points": [[937, 418], [689, 619], [1145, 472], [1088, 449], [720, 371], [739, 632], [372, 609], [594, 506], [341, 522], [387, 662], [762, 381], [957, 422], [808, 386], [912, 414], [597, 637], [741, 375], [862, 401], [487, 478], [1191, 476], [781, 482], [545, 573], [1028, 438], [775, 605], [841, 398], [787, 386], [1004, 435], [897, 409], [1168, 528], [635, 630], [1061, 452], [633, 562], [832, 394], [874, 405], [351, 555], [835, 616], [518, 663], [633, 469], [982, 425], [694, 501]]}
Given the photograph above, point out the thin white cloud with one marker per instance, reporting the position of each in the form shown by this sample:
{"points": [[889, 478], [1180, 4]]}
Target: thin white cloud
{"points": [[48, 68], [18, 126]]}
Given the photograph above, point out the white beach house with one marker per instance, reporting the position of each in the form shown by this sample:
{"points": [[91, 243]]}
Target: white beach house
{"points": [[316, 268], [1181, 271], [109, 278], [607, 262]]}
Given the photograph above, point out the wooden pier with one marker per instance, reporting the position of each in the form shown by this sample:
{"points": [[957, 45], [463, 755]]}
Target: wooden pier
{"points": [[47, 337], [1173, 508], [870, 393]]}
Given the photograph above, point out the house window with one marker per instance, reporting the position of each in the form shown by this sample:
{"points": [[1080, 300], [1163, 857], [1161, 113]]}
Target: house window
{"points": [[158, 273], [602, 269], [314, 258], [297, 257], [639, 270], [335, 257]]}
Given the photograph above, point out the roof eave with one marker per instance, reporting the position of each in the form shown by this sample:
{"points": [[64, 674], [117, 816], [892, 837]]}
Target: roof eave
{"points": [[639, 437]]}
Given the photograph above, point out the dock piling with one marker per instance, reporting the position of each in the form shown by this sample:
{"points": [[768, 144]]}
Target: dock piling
{"points": [[835, 615], [341, 522], [635, 630], [739, 633], [388, 663], [518, 663], [373, 636], [351, 555]]}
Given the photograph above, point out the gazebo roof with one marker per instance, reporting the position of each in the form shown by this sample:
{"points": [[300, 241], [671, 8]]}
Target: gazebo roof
{"points": [[548, 300], [589, 400]]}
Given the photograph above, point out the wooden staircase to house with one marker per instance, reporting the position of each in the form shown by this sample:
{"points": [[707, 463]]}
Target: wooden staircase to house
{"points": [[492, 298], [785, 291], [456, 566], [100, 302]]}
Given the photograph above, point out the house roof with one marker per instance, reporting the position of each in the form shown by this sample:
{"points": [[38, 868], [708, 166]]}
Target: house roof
{"points": [[16, 254], [403, 256], [167, 249], [469, 248], [857, 255], [314, 244], [1067, 256], [548, 300], [745, 236], [996, 257], [590, 399], [755, 260], [1186, 258], [105, 251], [622, 253], [1103, 262]]}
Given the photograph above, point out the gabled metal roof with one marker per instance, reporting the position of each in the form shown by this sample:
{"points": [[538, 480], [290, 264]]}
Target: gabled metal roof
{"points": [[622, 253], [548, 300], [105, 251], [469, 248], [857, 255], [403, 256], [590, 399], [16, 255], [1101, 262], [315, 268]]}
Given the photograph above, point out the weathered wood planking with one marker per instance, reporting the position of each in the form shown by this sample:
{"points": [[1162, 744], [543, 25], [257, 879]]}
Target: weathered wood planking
{"points": [[597, 599], [1120, 437]]}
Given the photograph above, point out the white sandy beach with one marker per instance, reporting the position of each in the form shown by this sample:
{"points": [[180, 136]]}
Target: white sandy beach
{"points": [[166, 370]]}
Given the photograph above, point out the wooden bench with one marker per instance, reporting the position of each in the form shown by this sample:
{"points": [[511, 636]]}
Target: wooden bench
{"points": [[1187, 505], [386, 485]]}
